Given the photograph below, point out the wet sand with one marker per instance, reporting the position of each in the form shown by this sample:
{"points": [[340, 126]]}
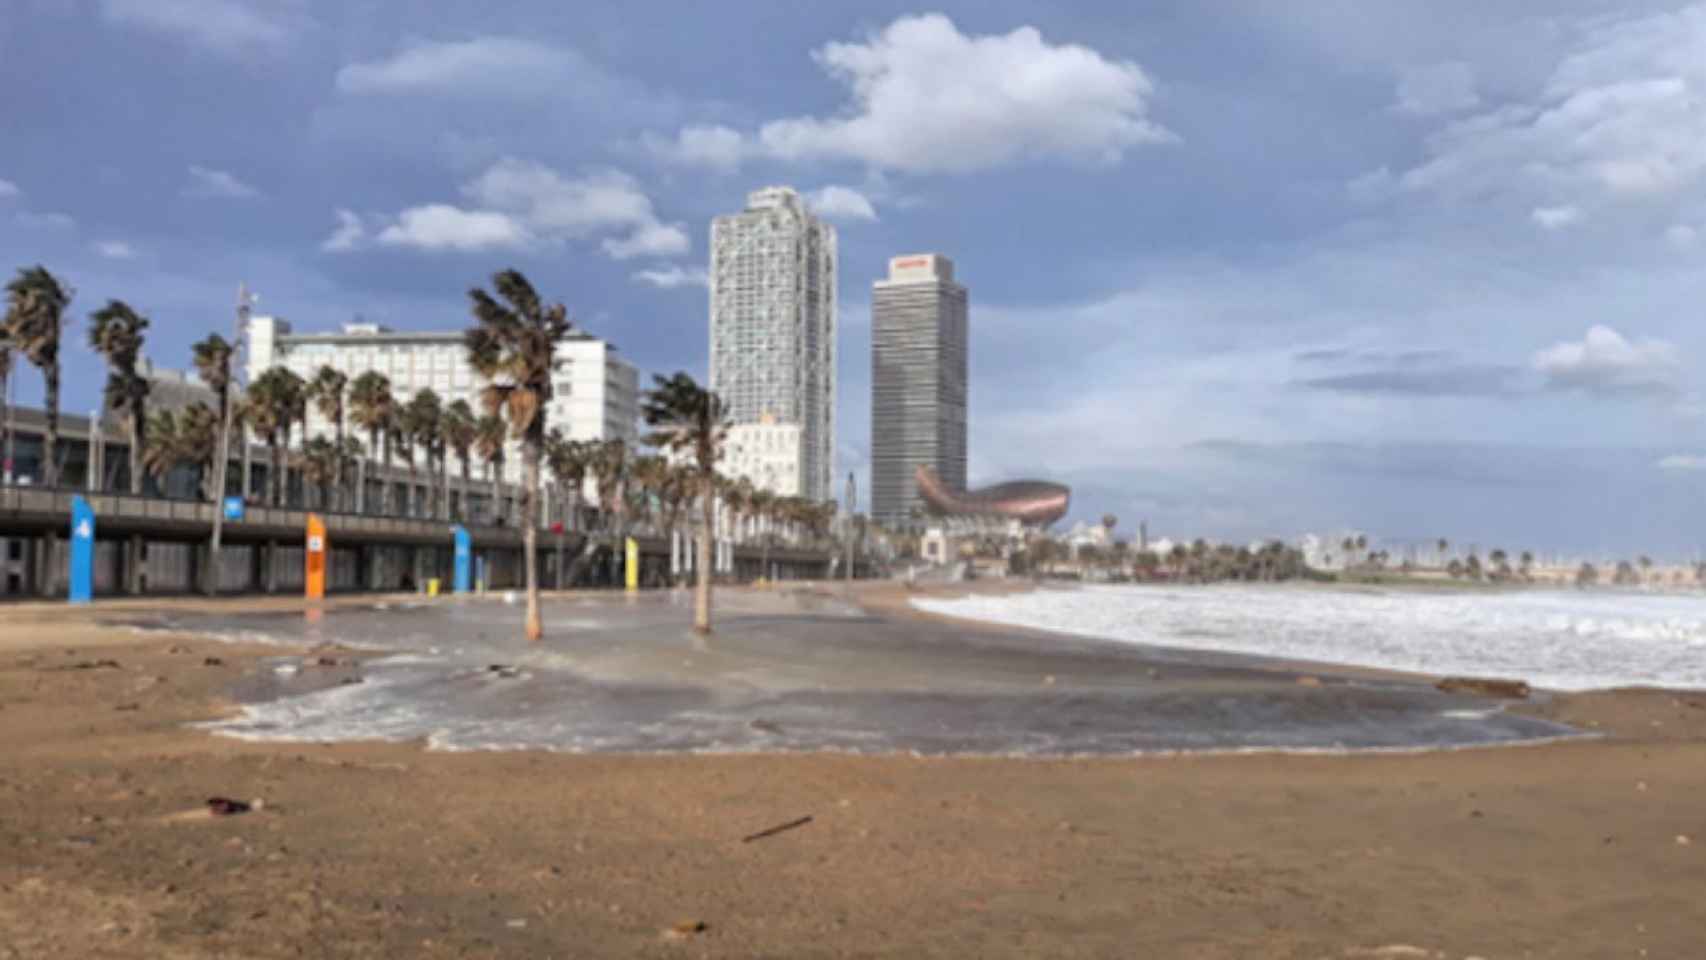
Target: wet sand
{"points": [[389, 850]]}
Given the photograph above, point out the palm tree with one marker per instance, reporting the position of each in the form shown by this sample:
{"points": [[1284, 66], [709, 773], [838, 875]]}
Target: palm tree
{"points": [[5, 381], [689, 420], [371, 407], [318, 463], [212, 358], [116, 332], [610, 468], [459, 433], [490, 436], [1442, 545], [422, 422], [35, 314], [262, 405], [513, 346], [164, 446], [568, 461], [327, 391]]}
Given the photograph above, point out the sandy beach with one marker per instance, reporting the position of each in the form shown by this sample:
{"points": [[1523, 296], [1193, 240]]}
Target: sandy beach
{"points": [[1588, 848]]}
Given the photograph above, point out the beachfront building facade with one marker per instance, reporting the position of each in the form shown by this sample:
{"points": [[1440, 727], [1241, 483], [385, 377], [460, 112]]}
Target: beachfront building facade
{"points": [[918, 384], [773, 330], [595, 395]]}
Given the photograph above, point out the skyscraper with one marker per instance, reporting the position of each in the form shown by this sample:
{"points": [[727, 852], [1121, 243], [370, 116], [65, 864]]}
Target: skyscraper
{"points": [[773, 274], [918, 383]]}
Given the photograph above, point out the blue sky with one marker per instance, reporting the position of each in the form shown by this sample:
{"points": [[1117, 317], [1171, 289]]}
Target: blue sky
{"points": [[1424, 269]]}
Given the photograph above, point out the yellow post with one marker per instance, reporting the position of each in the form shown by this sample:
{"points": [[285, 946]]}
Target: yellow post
{"points": [[631, 566]]}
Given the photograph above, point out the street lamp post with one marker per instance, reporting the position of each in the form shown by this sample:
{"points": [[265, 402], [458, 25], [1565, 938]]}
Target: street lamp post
{"points": [[222, 463], [852, 522]]}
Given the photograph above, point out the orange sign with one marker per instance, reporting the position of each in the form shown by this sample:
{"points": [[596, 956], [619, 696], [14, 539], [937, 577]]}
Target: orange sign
{"points": [[315, 555]]}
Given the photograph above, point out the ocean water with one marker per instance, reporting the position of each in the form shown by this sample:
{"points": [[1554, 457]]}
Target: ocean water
{"points": [[1563, 640], [798, 673]]}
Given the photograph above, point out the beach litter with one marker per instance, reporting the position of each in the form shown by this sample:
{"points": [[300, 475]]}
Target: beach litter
{"points": [[212, 662], [779, 828], [685, 929], [89, 665], [226, 807]]}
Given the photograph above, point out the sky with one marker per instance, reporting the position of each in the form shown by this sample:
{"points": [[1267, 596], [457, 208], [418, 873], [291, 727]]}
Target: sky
{"points": [[1420, 269]]}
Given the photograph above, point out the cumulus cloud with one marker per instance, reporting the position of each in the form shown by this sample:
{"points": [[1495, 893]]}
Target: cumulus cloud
{"points": [[673, 276], [227, 27], [1439, 88], [440, 226], [1555, 218], [350, 233], [718, 148], [1683, 461], [1618, 117], [516, 204], [1682, 236], [926, 98], [114, 249], [841, 203], [207, 183], [1605, 362], [8, 189]]}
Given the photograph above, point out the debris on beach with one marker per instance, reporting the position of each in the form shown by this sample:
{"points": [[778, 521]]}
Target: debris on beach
{"points": [[779, 828], [504, 670], [212, 662], [1485, 687], [766, 726], [226, 807], [89, 665], [685, 929]]}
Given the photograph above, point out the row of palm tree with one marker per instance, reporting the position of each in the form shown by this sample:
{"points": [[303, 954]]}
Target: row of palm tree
{"points": [[510, 346]]}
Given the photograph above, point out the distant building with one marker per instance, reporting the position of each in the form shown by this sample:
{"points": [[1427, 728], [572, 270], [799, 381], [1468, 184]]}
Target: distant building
{"points": [[918, 383], [174, 389], [767, 454], [773, 283], [595, 395]]}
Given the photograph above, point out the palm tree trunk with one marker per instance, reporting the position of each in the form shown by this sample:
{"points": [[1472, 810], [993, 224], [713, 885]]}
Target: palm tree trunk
{"points": [[275, 492], [138, 439], [385, 482], [462, 505], [50, 440], [496, 467], [338, 470], [530, 525], [702, 595]]}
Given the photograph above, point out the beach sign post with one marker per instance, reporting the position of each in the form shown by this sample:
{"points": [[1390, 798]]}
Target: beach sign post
{"points": [[314, 580], [631, 565], [464, 555], [82, 551]]}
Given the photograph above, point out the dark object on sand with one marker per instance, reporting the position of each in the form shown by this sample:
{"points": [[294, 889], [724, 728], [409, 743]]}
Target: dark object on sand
{"points": [[780, 828], [212, 662], [1482, 687], [89, 665], [504, 670], [226, 807], [685, 929]]}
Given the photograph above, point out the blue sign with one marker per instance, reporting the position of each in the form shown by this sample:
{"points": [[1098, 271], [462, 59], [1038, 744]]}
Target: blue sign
{"points": [[82, 551], [464, 560], [233, 508]]}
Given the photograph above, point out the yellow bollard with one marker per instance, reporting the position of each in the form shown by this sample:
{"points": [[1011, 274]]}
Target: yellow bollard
{"points": [[432, 586]]}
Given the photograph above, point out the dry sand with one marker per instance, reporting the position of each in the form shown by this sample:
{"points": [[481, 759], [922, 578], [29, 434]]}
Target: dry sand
{"points": [[360, 850]]}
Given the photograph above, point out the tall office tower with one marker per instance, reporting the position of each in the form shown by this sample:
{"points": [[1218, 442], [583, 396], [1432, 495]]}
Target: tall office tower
{"points": [[595, 396], [918, 383], [773, 270]]}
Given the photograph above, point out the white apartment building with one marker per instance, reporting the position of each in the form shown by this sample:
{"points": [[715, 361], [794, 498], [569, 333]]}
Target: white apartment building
{"points": [[773, 293], [595, 395]]}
